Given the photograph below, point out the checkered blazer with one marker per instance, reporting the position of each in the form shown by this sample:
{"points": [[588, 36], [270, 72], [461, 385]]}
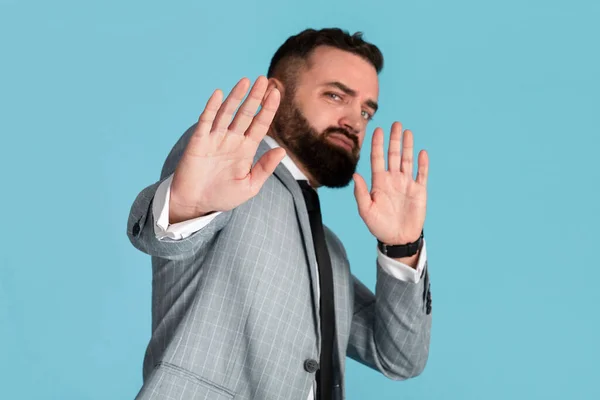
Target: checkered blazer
{"points": [[234, 314]]}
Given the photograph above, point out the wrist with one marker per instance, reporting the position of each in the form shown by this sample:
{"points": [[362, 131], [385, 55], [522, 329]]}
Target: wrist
{"points": [[401, 251], [178, 213]]}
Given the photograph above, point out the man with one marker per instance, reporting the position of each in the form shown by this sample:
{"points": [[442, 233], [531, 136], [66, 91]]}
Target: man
{"points": [[252, 297]]}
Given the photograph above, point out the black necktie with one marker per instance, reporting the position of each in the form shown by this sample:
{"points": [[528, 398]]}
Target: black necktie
{"points": [[325, 372]]}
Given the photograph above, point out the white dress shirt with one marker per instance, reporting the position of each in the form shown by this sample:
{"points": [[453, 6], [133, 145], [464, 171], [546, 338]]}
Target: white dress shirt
{"points": [[181, 230]]}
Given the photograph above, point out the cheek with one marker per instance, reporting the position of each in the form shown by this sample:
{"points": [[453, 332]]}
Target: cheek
{"points": [[321, 118]]}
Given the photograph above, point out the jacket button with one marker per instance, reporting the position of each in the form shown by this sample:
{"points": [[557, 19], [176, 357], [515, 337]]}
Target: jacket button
{"points": [[311, 365], [136, 229]]}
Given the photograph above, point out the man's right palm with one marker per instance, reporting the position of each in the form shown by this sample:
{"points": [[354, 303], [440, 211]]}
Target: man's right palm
{"points": [[215, 172]]}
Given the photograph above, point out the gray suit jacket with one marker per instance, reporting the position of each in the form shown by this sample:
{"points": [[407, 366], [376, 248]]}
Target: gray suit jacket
{"points": [[233, 306]]}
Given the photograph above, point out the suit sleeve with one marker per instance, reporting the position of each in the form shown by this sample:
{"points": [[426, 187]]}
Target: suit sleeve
{"points": [[390, 330], [140, 224]]}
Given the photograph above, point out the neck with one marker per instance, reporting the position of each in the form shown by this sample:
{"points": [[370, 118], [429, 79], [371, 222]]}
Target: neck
{"points": [[290, 154]]}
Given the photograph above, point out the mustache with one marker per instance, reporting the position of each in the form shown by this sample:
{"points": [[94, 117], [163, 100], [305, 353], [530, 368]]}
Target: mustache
{"points": [[343, 131]]}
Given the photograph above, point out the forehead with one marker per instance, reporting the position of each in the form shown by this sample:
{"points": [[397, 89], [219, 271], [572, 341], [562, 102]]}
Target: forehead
{"points": [[329, 64]]}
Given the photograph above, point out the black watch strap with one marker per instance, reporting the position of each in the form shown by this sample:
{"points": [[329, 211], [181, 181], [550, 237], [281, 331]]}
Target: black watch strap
{"points": [[401, 250]]}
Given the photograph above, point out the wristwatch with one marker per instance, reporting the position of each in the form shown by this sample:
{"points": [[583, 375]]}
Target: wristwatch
{"points": [[401, 250]]}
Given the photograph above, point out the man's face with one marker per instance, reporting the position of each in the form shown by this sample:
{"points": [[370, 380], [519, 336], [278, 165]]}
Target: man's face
{"points": [[323, 123]]}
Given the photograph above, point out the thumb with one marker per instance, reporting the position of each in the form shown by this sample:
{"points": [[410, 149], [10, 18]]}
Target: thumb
{"points": [[361, 192], [265, 166]]}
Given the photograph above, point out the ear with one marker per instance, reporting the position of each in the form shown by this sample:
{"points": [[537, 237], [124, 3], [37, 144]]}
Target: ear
{"points": [[276, 83]]}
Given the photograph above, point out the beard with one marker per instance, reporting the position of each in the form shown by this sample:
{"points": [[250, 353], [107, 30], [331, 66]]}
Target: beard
{"points": [[329, 164]]}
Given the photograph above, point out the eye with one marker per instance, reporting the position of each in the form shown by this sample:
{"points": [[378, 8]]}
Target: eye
{"points": [[333, 96], [367, 116]]}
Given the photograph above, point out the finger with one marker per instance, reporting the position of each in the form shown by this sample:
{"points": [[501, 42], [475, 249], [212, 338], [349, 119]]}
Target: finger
{"points": [[406, 165], [247, 111], [225, 113], [423, 171], [207, 117], [262, 121], [394, 147], [362, 195], [377, 160], [264, 167]]}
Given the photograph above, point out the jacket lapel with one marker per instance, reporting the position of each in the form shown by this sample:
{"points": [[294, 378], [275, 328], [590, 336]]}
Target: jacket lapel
{"points": [[282, 173]]}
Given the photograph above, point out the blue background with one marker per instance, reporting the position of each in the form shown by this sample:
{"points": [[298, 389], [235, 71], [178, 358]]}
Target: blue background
{"points": [[503, 95]]}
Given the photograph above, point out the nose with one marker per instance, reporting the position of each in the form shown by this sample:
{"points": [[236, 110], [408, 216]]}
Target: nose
{"points": [[351, 122]]}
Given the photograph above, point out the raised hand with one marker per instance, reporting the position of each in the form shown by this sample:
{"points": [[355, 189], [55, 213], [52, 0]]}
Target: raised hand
{"points": [[394, 210], [215, 172]]}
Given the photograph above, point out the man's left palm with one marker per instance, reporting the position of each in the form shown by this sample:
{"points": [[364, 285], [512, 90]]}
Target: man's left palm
{"points": [[394, 210]]}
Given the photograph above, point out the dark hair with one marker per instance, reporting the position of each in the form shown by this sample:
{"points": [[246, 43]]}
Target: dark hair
{"points": [[284, 63]]}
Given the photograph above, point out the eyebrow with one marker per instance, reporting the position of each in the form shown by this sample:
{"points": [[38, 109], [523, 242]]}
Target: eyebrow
{"points": [[352, 92]]}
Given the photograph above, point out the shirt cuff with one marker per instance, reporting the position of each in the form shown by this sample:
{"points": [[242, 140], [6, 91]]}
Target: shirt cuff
{"points": [[400, 270], [160, 211]]}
